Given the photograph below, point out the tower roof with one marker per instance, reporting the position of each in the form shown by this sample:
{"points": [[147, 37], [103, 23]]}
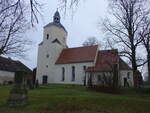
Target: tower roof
{"points": [[56, 21], [56, 18]]}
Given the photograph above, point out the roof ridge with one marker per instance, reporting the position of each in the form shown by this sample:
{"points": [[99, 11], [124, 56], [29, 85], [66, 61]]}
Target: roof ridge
{"points": [[81, 47], [108, 50]]}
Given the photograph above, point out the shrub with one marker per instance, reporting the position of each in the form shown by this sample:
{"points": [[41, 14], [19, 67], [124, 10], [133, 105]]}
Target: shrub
{"points": [[107, 89]]}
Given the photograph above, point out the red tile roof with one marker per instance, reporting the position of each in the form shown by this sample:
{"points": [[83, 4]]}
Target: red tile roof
{"points": [[77, 55], [104, 62]]}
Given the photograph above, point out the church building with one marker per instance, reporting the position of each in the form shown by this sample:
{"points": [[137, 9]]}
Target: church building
{"points": [[59, 64]]}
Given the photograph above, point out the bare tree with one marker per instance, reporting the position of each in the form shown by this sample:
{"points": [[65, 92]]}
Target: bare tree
{"points": [[91, 41], [34, 6], [13, 23], [145, 35], [71, 4], [12, 26], [128, 16], [105, 79], [18, 5]]}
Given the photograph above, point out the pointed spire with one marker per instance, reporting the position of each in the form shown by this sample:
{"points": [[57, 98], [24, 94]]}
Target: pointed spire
{"points": [[56, 18]]}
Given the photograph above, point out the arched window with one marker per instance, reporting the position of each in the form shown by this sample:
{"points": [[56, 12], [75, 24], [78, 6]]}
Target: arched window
{"points": [[47, 55], [73, 73], [63, 74], [47, 36], [84, 68]]}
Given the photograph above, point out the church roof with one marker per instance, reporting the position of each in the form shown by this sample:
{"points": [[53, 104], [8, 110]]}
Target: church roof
{"points": [[77, 55], [7, 64], [105, 61]]}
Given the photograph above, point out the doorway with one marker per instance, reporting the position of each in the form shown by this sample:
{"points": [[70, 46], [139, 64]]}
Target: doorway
{"points": [[125, 81], [45, 78], [126, 84]]}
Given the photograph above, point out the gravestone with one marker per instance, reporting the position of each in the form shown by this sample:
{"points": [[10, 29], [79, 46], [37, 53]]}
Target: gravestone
{"points": [[18, 94]]}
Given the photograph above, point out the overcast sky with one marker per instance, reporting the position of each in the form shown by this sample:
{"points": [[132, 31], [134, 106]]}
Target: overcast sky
{"points": [[83, 25]]}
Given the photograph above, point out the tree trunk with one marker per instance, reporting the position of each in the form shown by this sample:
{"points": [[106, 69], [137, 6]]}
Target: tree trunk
{"points": [[90, 80], [134, 66], [115, 76], [148, 66]]}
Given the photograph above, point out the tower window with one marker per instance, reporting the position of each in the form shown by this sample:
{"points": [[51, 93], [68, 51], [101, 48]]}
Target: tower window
{"points": [[47, 36], [63, 74], [47, 55], [73, 73]]}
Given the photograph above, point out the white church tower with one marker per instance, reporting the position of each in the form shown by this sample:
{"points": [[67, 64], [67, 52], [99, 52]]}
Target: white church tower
{"points": [[54, 41]]}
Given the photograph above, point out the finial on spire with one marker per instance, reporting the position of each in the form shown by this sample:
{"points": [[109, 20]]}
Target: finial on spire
{"points": [[56, 17]]}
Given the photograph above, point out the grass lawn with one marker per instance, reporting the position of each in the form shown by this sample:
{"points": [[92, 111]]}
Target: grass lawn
{"points": [[76, 99]]}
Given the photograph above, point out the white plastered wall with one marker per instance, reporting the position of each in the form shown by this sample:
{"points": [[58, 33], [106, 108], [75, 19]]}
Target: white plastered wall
{"points": [[46, 65], [6, 76], [79, 73], [95, 75], [122, 75]]}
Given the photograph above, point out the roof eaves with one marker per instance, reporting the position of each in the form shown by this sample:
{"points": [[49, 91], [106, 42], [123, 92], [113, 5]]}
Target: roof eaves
{"points": [[88, 61], [56, 24]]}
